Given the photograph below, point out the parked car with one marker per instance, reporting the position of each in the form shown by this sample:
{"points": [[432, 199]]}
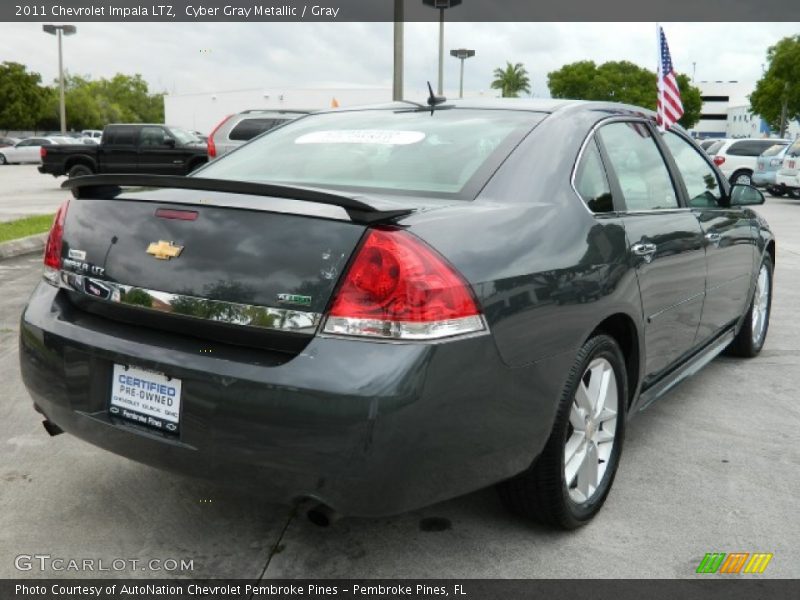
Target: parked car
{"points": [[707, 143], [736, 158], [139, 148], [767, 167], [8, 141], [788, 175], [27, 150], [235, 130], [387, 307], [92, 133]]}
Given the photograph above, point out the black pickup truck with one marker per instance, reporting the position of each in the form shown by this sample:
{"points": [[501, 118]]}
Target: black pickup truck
{"points": [[140, 148]]}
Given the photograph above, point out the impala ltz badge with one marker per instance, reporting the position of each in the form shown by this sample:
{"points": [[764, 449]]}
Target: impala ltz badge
{"points": [[164, 250]]}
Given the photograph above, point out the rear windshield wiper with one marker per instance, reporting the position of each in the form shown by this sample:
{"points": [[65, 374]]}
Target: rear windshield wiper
{"points": [[110, 186]]}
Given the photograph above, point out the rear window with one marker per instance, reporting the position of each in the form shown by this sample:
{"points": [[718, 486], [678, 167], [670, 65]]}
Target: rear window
{"points": [[714, 148], [249, 128], [451, 153], [774, 150], [749, 147], [119, 137]]}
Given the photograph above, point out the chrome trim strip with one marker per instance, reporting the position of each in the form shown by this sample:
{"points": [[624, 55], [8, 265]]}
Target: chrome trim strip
{"points": [[244, 315]]}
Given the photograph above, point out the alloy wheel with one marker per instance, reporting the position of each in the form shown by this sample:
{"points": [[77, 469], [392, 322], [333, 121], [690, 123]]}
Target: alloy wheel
{"points": [[744, 179], [592, 431], [760, 306]]}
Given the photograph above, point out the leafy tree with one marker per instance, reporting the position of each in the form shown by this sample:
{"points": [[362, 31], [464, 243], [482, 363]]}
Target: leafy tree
{"points": [[512, 80], [620, 81], [780, 84], [21, 96]]}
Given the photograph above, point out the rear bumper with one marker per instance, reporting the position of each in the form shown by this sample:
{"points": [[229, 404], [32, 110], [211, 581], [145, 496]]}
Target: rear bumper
{"points": [[764, 178], [789, 181], [368, 428]]}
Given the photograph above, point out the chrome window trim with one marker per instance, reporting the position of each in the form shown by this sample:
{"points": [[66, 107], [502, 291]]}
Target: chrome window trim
{"points": [[616, 213], [218, 311]]}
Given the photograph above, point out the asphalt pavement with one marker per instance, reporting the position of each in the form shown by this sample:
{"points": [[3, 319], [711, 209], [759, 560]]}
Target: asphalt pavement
{"points": [[713, 467], [25, 192]]}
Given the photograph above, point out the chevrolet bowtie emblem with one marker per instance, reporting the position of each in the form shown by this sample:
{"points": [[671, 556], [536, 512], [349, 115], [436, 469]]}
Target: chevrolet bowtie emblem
{"points": [[164, 250]]}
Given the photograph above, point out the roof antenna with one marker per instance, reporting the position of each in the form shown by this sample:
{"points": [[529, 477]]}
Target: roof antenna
{"points": [[433, 100]]}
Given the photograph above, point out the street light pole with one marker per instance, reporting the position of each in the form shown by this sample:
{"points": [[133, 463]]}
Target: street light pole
{"points": [[462, 54], [441, 5], [58, 31], [397, 86]]}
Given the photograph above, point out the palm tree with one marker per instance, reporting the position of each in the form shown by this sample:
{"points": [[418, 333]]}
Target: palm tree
{"points": [[512, 80]]}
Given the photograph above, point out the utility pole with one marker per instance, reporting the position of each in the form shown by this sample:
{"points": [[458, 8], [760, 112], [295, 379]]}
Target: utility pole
{"points": [[397, 86]]}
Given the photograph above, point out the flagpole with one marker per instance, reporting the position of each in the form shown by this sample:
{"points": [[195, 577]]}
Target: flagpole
{"points": [[659, 117]]}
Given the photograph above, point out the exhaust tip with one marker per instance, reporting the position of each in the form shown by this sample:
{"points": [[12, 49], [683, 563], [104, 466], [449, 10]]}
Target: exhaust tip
{"points": [[51, 428], [322, 516]]}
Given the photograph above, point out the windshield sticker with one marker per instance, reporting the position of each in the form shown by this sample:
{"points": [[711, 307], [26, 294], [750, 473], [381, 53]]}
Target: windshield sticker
{"points": [[384, 137]]}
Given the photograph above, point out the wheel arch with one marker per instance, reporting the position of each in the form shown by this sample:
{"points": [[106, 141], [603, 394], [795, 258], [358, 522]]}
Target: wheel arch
{"points": [[622, 327], [80, 160]]}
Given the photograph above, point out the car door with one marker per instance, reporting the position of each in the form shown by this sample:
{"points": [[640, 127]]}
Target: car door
{"points": [[665, 242], [158, 152], [728, 237], [117, 151]]}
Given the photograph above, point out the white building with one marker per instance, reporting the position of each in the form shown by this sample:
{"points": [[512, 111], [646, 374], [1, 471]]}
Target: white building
{"points": [[718, 97], [202, 111], [744, 124]]}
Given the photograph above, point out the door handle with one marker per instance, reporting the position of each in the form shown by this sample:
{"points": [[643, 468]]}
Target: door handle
{"points": [[713, 238]]}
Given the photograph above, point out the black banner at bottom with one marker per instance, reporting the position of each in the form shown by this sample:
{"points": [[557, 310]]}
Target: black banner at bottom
{"points": [[727, 588]]}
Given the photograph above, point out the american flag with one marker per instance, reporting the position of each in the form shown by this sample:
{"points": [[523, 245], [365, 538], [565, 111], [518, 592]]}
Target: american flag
{"points": [[668, 106]]}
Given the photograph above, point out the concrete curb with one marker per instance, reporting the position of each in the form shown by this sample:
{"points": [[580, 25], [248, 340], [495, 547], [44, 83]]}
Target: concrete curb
{"points": [[27, 245]]}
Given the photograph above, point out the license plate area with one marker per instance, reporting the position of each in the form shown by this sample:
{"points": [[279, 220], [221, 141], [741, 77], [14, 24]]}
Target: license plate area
{"points": [[146, 398]]}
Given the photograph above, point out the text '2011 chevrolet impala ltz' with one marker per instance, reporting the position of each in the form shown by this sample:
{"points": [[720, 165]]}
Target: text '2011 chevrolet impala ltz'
{"points": [[386, 307]]}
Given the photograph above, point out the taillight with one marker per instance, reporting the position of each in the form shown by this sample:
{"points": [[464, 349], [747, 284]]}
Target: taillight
{"points": [[718, 160], [400, 288], [212, 147], [52, 250], [42, 151]]}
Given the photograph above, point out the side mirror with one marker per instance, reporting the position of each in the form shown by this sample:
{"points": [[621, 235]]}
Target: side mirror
{"points": [[169, 142], [745, 195]]}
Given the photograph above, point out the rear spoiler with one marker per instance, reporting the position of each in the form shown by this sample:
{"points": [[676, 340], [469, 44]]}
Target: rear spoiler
{"points": [[110, 186]]}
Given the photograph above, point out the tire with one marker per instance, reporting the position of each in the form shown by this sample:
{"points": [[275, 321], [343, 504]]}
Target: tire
{"points": [[79, 171], [543, 492], [753, 333], [794, 193], [3, 160], [776, 191], [742, 176]]}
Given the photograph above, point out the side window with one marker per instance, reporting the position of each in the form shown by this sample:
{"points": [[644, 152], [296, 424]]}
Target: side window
{"points": [[250, 128], [591, 181], [701, 181], [151, 136], [639, 166]]}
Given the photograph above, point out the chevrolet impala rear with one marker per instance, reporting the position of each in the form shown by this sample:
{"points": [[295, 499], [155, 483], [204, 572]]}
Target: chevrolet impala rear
{"points": [[276, 320]]}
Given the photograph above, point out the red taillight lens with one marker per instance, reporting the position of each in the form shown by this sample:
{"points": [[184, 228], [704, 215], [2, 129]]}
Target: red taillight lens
{"points": [[719, 160], [52, 250], [42, 151], [398, 287], [212, 147]]}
